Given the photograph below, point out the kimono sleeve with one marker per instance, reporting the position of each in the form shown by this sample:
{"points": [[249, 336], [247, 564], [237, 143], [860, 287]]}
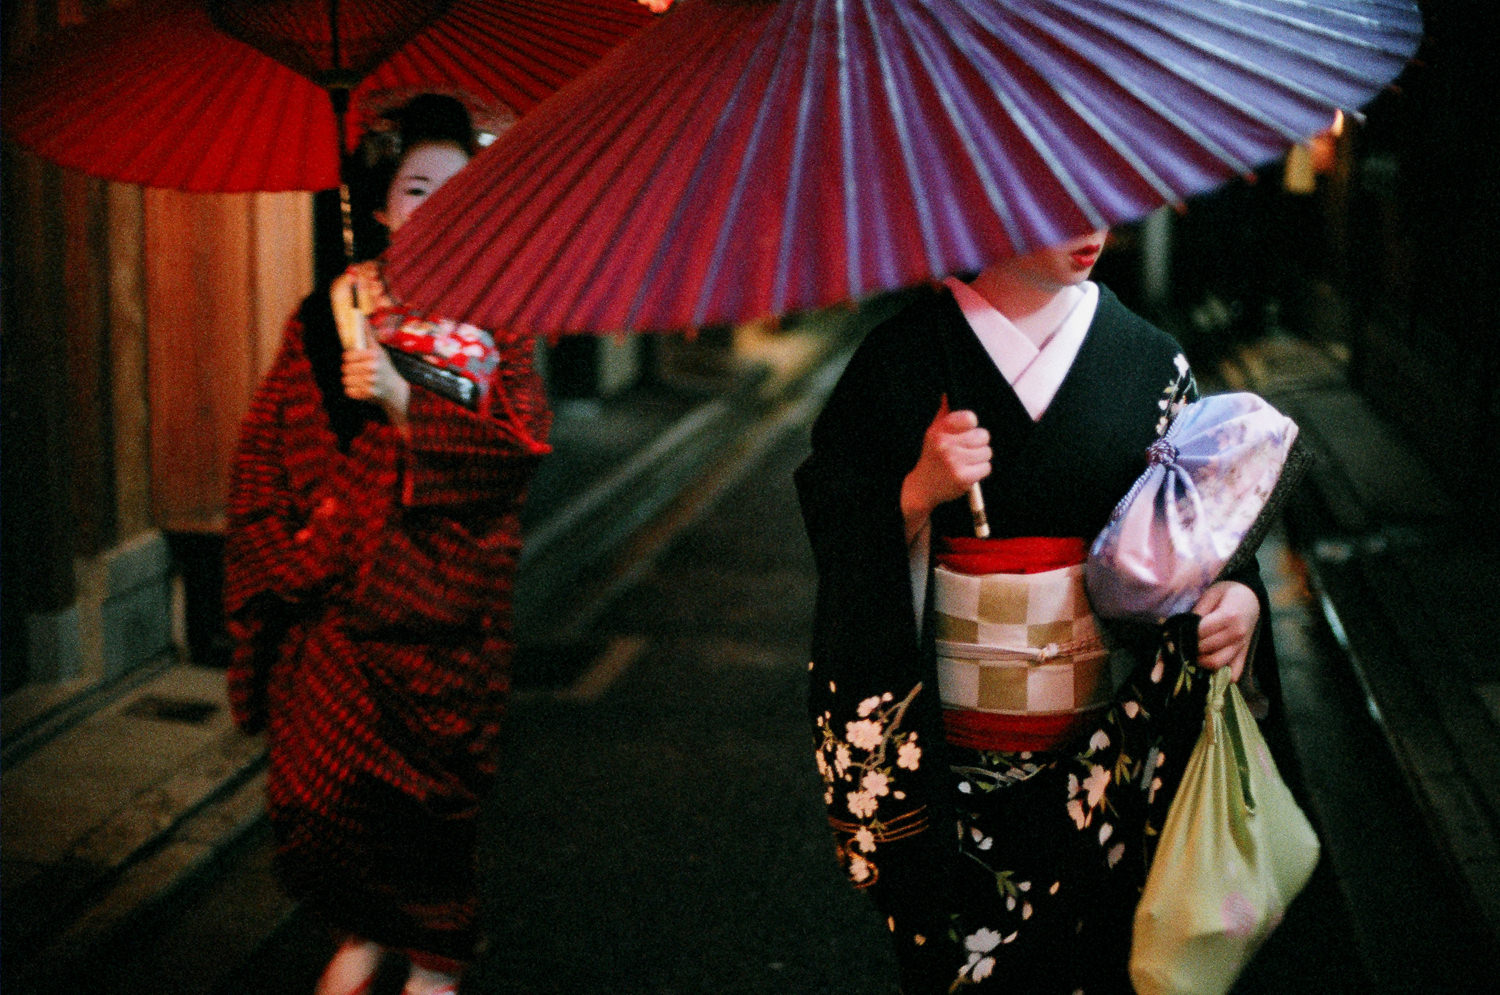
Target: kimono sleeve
{"points": [[447, 556], [277, 542], [281, 555], [434, 574], [455, 456], [873, 702]]}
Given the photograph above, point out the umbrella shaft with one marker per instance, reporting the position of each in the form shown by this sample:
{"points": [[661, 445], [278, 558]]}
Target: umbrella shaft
{"points": [[346, 216]]}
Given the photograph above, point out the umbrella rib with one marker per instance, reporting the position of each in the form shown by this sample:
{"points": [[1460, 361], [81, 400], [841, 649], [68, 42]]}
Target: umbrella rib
{"points": [[620, 122], [789, 229], [1345, 69], [192, 111], [721, 242], [1082, 46], [543, 26], [133, 79], [1195, 79], [981, 166], [1033, 135], [852, 268], [422, 249], [1143, 95], [172, 143], [523, 79], [658, 259], [1314, 28], [139, 162], [546, 50], [1124, 151], [903, 130], [513, 54], [262, 86], [567, 29], [1230, 58], [1053, 163]]}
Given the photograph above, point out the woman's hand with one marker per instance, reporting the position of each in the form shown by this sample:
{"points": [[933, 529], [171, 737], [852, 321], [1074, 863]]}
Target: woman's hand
{"points": [[369, 376], [1228, 614], [955, 453]]}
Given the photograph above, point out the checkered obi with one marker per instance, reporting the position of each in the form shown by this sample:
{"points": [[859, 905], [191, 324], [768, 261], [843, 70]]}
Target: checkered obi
{"points": [[1021, 662]]}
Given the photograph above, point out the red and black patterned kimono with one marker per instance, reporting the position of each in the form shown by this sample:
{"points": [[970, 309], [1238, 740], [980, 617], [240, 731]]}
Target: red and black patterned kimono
{"points": [[1009, 871], [368, 588]]}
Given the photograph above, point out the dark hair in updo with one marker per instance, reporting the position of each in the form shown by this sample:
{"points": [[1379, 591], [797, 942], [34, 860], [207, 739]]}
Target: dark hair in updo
{"points": [[425, 118], [428, 117]]}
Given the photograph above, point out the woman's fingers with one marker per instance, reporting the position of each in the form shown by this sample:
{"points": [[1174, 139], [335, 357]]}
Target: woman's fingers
{"points": [[361, 373], [969, 464], [957, 421], [1223, 650], [1219, 629], [974, 438], [359, 378], [969, 445], [1228, 613], [1232, 657], [955, 454]]}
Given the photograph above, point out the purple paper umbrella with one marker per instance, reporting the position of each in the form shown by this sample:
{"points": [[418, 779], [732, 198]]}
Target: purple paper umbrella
{"points": [[746, 158]]}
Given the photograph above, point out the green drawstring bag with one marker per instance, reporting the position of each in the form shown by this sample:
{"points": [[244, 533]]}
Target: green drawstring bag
{"points": [[1234, 851]]}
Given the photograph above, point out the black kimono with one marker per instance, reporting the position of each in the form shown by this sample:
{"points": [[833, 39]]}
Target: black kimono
{"points": [[1018, 871]]}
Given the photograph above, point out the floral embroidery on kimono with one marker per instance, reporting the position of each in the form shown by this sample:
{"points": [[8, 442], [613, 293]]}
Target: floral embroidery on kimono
{"points": [[862, 765]]}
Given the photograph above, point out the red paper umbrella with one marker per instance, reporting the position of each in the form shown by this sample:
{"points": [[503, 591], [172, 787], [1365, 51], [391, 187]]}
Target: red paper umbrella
{"points": [[239, 95], [743, 158]]}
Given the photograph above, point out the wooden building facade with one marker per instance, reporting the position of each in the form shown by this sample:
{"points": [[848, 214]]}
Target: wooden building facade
{"points": [[135, 325]]}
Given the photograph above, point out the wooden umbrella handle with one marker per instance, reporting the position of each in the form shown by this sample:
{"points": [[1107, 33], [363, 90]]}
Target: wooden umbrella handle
{"points": [[976, 508], [349, 312]]}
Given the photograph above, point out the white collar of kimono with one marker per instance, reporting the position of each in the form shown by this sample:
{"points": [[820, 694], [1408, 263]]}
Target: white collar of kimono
{"points": [[1034, 373]]}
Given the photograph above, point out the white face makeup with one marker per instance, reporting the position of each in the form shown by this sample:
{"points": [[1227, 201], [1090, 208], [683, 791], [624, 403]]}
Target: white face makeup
{"points": [[425, 168]]}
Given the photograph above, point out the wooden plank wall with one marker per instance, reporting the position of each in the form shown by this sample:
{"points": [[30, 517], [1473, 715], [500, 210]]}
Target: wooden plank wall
{"points": [[223, 272], [171, 305]]}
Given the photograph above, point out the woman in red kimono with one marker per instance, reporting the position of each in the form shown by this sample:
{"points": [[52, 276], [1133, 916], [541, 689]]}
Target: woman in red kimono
{"points": [[372, 545]]}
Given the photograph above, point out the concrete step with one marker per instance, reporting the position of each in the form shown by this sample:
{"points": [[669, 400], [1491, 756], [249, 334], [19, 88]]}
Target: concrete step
{"points": [[1337, 760], [37, 713], [109, 820], [594, 523], [1404, 640], [1406, 580]]}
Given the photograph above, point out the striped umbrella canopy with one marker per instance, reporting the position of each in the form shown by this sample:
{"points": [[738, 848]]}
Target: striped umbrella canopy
{"points": [[245, 95], [746, 158]]}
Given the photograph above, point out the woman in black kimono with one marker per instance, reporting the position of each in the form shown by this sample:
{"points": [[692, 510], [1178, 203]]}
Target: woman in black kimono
{"points": [[996, 866]]}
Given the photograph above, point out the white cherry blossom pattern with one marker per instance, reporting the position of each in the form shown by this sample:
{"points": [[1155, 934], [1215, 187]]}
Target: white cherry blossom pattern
{"points": [[1086, 796], [980, 947], [862, 762]]}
